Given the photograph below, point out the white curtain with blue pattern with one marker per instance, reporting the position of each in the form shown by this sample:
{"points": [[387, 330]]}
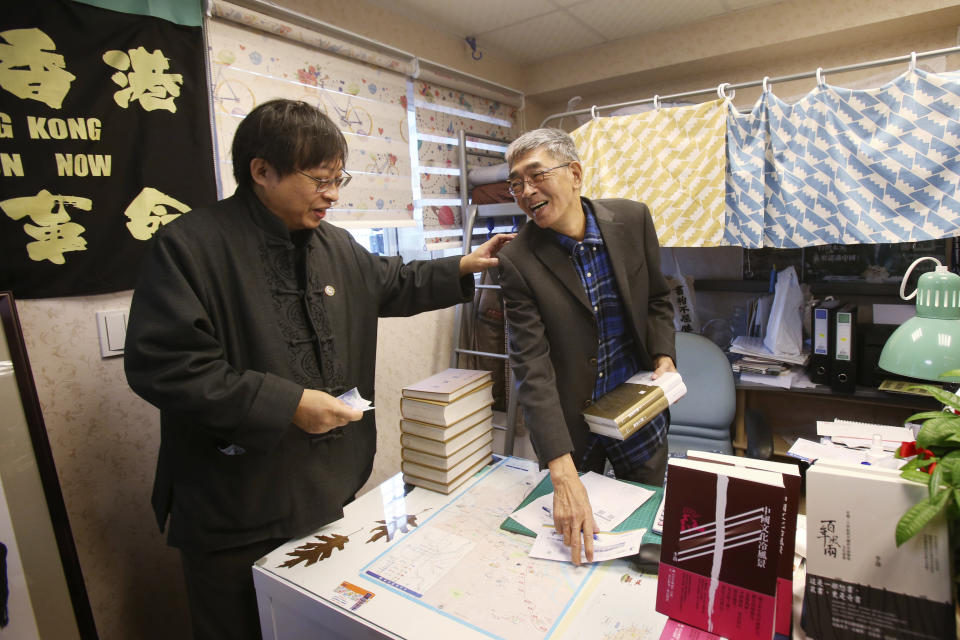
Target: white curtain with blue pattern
{"points": [[845, 166]]}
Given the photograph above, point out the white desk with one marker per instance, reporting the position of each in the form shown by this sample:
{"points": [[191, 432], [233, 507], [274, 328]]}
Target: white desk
{"points": [[454, 575]]}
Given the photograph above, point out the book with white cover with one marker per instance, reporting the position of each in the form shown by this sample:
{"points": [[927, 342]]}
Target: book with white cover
{"points": [[448, 385], [446, 475], [447, 461], [446, 487], [412, 442], [446, 413], [440, 433], [671, 382], [860, 584]]}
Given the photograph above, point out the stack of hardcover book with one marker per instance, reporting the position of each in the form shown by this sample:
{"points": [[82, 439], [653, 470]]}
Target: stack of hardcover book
{"points": [[622, 412], [726, 562], [446, 428]]}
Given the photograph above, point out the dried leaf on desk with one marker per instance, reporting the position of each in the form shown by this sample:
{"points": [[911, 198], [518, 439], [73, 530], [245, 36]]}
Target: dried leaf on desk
{"points": [[312, 552], [396, 525]]}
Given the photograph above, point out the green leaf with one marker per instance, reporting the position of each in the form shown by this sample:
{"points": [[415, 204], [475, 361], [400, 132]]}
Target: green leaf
{"points": [[938, 431], [917, 516], [953, 373], [951, 468], [925, 415], [911, 471], [936, 482], [948, 398]]}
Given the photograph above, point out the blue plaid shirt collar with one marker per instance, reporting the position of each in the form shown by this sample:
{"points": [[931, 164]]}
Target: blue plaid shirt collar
{"points": [[591, 234]]}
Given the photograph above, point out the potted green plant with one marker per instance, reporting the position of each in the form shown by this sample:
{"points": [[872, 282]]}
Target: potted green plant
{"points": [[936, 464]]}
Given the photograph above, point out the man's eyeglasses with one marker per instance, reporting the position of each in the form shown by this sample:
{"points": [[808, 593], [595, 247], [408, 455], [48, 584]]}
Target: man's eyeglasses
{"points": [[515, 185], [324, 184]]}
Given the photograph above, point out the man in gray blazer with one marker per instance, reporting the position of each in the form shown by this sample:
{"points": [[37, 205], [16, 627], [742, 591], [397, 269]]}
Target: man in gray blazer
{"points": [[587, 307]]}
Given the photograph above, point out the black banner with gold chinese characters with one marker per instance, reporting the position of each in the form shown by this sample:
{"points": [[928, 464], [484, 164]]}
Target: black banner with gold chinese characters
{"points": [[104, 137]]}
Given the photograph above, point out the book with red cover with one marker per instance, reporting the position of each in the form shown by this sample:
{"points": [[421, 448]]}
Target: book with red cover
{"points": [[720, 553], [788, 539]]}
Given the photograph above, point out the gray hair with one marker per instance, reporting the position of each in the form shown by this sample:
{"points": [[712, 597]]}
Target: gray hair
{"points": [[556, 142]]}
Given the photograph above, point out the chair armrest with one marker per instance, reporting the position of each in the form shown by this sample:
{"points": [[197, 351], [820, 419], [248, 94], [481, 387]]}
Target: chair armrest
{"points": [[759, 436]]}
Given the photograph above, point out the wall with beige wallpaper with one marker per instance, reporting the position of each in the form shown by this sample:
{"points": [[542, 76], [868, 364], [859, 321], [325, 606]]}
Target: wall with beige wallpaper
{"points": [[104, 439]]}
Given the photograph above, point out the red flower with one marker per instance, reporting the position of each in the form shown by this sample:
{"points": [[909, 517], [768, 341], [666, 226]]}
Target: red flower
{"points": [[908, 449]]}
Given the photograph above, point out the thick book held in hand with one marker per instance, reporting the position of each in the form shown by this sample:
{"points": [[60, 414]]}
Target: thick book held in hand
{"points": [[624, 410], [722, 529], [860, 584]]}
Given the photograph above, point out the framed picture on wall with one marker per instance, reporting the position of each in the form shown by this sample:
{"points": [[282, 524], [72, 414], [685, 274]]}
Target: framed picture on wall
{"points": [[42, 594]]}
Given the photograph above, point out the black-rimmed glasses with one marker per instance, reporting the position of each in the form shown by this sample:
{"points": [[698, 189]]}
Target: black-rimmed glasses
{"points": [[515, 185], [324, 184]]}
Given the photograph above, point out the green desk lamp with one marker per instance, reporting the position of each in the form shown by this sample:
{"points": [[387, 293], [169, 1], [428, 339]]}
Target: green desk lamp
{"points": [[928, 344]]}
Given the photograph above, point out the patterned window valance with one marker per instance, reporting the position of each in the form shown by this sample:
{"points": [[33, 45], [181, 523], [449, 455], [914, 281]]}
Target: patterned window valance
{"points": [[840, 166]]}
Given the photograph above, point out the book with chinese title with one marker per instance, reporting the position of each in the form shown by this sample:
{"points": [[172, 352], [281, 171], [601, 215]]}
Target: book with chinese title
{"points": [[860, 584], [787, 543], [624, 410], [722, 528]]}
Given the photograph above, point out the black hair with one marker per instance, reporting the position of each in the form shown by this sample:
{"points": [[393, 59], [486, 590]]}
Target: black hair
{"points": [[290, 135]]}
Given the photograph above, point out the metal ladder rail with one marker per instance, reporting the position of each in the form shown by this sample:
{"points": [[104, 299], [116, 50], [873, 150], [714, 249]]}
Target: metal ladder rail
{"points": [[463, 314]]}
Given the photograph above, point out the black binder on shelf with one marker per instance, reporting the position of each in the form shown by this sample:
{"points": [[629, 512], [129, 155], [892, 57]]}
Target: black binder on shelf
{"points": [[824, 317], [843, 367]]}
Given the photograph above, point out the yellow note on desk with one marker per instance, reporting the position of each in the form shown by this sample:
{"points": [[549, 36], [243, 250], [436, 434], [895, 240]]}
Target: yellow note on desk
{"points": [[906, 386]]}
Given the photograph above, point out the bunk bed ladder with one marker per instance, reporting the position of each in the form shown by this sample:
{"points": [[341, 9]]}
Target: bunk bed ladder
{"points": [[464, 325]]}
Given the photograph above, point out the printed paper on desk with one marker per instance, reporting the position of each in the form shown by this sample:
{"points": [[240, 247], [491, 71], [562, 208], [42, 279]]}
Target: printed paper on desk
{"points": [[810, 451], [606, 546], [612, 501]]}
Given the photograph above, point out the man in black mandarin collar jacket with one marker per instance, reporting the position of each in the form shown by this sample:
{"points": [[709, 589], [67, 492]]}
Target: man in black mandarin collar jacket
{"points": [[250, 317]]}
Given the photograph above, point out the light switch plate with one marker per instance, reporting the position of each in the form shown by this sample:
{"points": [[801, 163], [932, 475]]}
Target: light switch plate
{"points": [[112, 328]]}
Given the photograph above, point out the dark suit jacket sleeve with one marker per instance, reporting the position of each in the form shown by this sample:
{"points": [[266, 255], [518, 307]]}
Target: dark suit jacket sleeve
{"points": [[532, 367], [660, 331]]}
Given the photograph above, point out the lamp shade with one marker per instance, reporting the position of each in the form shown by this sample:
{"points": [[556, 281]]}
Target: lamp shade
{"points": [[928, 345]]}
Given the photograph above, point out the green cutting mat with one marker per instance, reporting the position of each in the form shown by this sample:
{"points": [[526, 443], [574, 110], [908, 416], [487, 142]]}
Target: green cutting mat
{"points": [[642, 518]]}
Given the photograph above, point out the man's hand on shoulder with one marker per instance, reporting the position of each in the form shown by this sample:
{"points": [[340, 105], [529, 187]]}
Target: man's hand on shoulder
{"points": [[319, 412], [483, 257]]}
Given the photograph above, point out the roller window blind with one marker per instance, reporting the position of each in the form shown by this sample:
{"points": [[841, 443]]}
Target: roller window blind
{"points": [[252, 64]]}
